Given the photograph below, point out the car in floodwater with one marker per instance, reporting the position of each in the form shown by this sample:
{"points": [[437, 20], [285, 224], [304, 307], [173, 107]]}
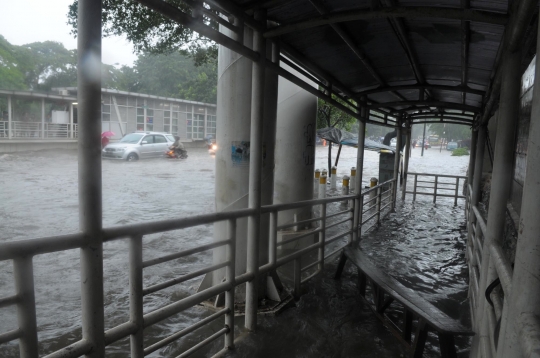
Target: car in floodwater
{"points": [[138, 145], [451, 146]]}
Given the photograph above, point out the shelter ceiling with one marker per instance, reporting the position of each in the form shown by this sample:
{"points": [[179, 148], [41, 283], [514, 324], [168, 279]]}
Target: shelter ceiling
{"points": [[430, 50]]}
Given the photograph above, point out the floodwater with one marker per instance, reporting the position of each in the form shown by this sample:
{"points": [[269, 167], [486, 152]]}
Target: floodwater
{"points": [[421, 246]]}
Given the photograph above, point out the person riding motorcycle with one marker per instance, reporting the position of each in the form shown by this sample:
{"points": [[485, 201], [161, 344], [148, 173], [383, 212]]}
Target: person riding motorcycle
{"points": [[177, 146]]}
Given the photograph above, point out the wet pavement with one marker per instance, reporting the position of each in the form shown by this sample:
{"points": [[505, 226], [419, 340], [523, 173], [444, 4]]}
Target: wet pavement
{"points": [[421, 246]]}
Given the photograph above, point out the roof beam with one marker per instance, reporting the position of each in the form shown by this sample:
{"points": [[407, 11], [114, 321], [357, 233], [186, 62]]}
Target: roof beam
{"points": [[422, 86], [398, 26], [419, 104], [317, 4], [409, 12]]}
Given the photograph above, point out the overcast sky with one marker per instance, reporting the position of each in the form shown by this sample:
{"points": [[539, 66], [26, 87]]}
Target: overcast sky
{"points": [[26, 21]]}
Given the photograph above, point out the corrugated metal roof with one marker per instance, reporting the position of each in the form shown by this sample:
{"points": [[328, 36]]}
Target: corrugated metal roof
{"points": [[436, 44]]}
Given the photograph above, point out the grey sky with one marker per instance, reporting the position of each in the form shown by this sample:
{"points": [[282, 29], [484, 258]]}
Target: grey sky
{"points": [[26, 21]]}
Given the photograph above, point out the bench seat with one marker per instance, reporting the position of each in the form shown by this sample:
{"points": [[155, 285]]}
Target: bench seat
{"points": [[386, 290]]}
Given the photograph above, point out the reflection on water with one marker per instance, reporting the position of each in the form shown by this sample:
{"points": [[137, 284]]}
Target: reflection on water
{"points": [[420, 246]]}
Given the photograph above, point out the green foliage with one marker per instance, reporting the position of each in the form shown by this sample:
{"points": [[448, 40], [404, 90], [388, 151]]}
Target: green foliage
{"points": [[460, 152], [14, 63], [330, 116], [149, 31]]}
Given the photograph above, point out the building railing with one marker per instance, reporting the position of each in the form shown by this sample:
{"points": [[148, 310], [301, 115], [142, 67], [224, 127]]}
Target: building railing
{"points": [[503, 271], [435, 183], [37, 130], [22, 253]]}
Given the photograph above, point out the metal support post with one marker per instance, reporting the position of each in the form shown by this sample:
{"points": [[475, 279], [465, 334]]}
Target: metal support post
{"points": [[414, 189], [230, 277], [136, 295], [435, 189], [358, 207], [472, 159], [43, 118], [71, 120], [90, 205], [423, 140], [255, 173], [405, 168], [525, 280], [10, 115], [26, 307], [397, 160], [322, 238], [501, 179]]}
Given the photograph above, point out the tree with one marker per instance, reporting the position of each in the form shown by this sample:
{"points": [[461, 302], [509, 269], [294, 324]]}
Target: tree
{"points": [[151, 32], [51, 63], [14, 63], [451, 131]]}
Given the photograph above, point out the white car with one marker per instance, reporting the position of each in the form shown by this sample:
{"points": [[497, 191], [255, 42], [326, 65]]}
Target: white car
{"points": [[139, 145]]}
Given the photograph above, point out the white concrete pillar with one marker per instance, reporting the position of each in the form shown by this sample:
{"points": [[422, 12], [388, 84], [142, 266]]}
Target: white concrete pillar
{"points": [[526, 277], [322, 186], [71, 120]]}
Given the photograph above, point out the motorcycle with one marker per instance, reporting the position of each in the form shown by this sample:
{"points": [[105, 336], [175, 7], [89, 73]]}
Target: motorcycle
{"points": [[171, 153]]}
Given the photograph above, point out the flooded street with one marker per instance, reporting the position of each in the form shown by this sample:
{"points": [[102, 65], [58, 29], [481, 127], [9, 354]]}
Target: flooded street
{"points": [[422, 246]]}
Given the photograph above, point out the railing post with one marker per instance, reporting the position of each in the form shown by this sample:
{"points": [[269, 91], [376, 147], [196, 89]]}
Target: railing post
{"points": [[477, 175], [415, 183], [255, 173], [379, 206], [43, 118], [397, 160], [71, 120], [358, 201], [272, 240], [90, 205], [435, 189], [230, 277], [136, 295], [297, 277], [26, 307], [322, 237], [405, 169], [10, 115], [456, 193]]}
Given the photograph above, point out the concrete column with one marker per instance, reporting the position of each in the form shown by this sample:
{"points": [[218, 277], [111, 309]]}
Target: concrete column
{"points": [[397, 159], [90, 205], [43, 118], [71, 120], [501, 180], [358, 201], [10, 115], [255, 174], [526, 277], [405, 168]]}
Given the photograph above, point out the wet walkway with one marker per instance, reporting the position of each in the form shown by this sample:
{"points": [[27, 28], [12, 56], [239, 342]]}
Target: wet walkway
{"points": [[422, 245]]}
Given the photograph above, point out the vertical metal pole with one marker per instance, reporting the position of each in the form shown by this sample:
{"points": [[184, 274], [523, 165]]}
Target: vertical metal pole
{"points": [[230, 277], [10, 125], [405, 168], [357, 214], [379, 206], [501, 179], [71, 120], [478, 165], [456, 193], [90, 205], [26, 307], [255, 172], [472, 159], [435, 189], [136, 295], [43, 118], [322, 238], [397, 160], [423, 140], [525, 280], [415, 184], [272, 252]]}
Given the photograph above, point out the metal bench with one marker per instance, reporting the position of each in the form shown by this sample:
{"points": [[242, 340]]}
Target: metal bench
{"points": [[386, 290]]}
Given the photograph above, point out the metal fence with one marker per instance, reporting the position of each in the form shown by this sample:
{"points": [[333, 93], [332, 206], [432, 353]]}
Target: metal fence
{"points": [[22, 253], [37, 130], [436, 185]]}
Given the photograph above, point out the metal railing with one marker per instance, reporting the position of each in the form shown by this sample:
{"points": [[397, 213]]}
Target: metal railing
{"points": [[22, 253], [503, 270], [37, 130], [448, 184]]}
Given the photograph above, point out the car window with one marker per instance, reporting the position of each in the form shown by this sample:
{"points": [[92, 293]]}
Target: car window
{"points": [[159, 139], [170, 137], [131, 138], [149, 139]]}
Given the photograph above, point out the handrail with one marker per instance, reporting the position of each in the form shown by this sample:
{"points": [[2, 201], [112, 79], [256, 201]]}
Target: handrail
{"points": [[480, 220], [502, 265], [438, 175]]}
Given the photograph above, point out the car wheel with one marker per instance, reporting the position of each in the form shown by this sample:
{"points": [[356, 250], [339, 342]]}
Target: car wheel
{"points": [[132, 157]]}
